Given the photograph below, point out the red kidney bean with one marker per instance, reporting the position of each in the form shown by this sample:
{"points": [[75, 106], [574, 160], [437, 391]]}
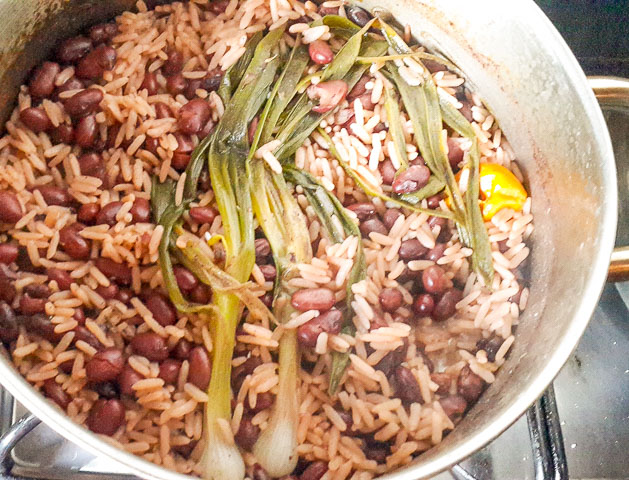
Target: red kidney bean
{"points": [[55, 195], [141, 210], [103, 32], [7, 290], [10, 209], [62, 277], [91, 164], [390, 299], [200, 368], [263, 401], [443, 380], [359, 16], [107, 214], [184, 143], [387, 170], [150, 83], [124, 295], [446, 305], [185, 279], [362, 210], [365, 100], [377, 451], [454, 407], [36, 119], [204, 215], [162, 309], [85, 132], [8, 323], [372, 225], [169, 370], [434, 200], [180, 160], [150, 345], [406, 386], [390, 217], [42, 82], [329, 94], [247, 436], [218, 6], [345, 117], [207, 129], [72, 83], [106, 389], [212, 81], [119, 272], [37, 291], [193, 116], [262, 249], [411, 249], [433, 66], [269, 272], [8, 253], [253, 126], [55, 392], [491, 346], [73, 243], [151, 144], [128, 377], [73, 49], [106, 416], [64, 133], [88, 212], [434, 279], [320, 52], [455, 153], [163, 111], [411, 179], [314, 471], [424, 304], [83, 334], [359, 88], [329, 322], [97, 62], [201, 294], [84, 102], [174, 63], [39, 324], [436, 252], [313, 299], [182, 349], [176, 84], [323, 11], [105, 365], [79, 316], [240, 372], [108, 293], [469, 385]]}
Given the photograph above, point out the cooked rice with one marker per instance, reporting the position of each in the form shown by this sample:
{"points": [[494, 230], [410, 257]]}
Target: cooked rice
{"points": [[167, 417]]}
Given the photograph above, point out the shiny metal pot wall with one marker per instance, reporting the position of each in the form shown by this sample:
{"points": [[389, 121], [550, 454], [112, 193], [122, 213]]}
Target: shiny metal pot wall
{"points": [[531, 81]]}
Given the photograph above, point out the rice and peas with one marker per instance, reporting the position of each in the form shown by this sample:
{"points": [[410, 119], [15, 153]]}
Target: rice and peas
{"points": [[84, 313]]}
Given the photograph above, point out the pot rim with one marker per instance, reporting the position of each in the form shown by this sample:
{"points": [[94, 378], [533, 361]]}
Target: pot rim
{"points": [[99, 446]]}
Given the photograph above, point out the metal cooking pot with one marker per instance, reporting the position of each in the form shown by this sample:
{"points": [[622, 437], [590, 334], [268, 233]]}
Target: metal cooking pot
{"points": [[522, 68]]}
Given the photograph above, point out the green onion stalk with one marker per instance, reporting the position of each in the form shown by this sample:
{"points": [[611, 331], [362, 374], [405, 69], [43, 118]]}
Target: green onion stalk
{"points": [[285, 227]]}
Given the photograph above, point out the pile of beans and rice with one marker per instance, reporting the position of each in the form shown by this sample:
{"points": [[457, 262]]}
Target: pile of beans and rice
{"points": [[84, 314]]}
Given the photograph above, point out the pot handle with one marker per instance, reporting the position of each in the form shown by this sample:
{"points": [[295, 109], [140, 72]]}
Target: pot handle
{"points": [[614, 92]]}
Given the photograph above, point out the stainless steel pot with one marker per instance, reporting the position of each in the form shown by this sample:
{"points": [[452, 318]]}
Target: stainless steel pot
{"points": [[530, 80]]}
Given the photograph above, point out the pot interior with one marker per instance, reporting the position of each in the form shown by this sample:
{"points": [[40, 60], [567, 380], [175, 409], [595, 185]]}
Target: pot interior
{"points": [[520, 66]]}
